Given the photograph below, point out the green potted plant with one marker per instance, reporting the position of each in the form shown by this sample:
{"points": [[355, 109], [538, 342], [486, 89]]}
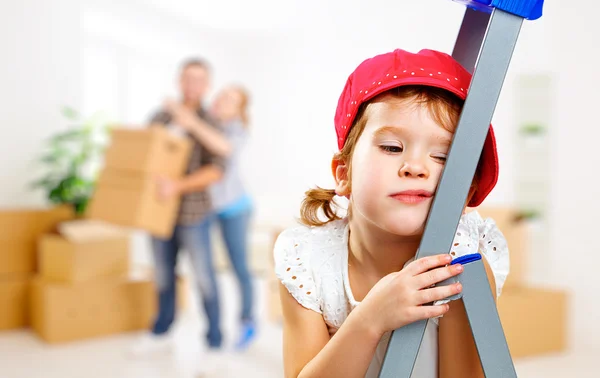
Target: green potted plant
{"points": [[528, 214], [533, 129], [71, 160]]}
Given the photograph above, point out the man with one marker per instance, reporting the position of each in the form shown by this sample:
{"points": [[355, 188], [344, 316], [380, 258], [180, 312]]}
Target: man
{"points": [[188, 117]]}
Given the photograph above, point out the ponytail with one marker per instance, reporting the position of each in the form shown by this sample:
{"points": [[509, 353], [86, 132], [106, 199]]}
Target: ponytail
{"points": [[322, 200], [315, 200]]}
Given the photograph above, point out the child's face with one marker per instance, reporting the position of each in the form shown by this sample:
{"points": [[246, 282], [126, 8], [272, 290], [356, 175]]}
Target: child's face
{"points": [[396, 166]]}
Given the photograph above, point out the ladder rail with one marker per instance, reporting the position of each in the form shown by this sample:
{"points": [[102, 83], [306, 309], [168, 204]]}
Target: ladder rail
{"points": [[492, 62]]}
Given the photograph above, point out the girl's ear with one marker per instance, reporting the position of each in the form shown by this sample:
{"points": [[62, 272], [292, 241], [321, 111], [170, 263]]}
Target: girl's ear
{"points": [[339, 169]]}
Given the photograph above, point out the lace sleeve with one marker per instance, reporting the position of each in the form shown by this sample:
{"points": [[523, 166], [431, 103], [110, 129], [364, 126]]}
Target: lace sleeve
{"points": [[493, 246], [292, 267], [474, 234]]}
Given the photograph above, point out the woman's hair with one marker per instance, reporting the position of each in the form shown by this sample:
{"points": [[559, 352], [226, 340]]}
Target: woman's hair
{"points": [[245, 100], [443, 106]]}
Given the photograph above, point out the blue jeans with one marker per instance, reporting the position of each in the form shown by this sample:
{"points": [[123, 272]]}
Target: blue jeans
{"points": [[196, 240], [234, 228]]}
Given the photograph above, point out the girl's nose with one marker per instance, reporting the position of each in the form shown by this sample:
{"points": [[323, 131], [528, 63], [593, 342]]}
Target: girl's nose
{"points": [[413, 169]]}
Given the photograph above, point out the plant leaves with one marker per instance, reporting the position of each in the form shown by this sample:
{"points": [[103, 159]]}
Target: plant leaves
{"points": [[45, 182], [69, 135], [70, 113], [69, 155]]}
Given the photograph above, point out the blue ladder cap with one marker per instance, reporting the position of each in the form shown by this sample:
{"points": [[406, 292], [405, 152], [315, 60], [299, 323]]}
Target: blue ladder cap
{"points": [[529, 9]]}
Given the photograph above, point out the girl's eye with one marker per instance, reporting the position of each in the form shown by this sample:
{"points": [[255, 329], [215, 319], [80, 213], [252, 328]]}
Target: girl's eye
{"points": [[391, 149], [441, 158]]}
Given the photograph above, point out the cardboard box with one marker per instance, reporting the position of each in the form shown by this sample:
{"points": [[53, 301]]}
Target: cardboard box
{"points": [[19, 224], [183, 292], [130, 199], [534, 320], [126, 192], [27, 224], [516, 233], [17, 257], [152, 150], [64, 260], [14, 304], [67, 312], [19, 230]]}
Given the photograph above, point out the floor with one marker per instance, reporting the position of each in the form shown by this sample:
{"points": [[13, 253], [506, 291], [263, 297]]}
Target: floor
{"points": [[23, 355]]}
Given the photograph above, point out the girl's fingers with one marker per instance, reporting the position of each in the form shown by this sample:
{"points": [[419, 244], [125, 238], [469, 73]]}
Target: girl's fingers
{"points": [[427, 263], [437, 293], [427, 279], [428, 312]]}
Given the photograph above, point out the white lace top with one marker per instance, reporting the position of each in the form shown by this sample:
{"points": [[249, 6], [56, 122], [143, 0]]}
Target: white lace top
{"points": [[312, 263]]}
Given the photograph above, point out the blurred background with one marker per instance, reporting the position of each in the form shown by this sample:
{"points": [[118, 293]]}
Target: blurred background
{"points": [[71, 68]]}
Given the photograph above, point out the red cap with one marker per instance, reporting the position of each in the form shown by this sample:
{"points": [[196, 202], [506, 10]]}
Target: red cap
{"points": [[399, 68]]}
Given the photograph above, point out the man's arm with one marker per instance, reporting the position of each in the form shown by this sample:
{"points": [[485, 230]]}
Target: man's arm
{"points": [[195, 182], [200, 179]]}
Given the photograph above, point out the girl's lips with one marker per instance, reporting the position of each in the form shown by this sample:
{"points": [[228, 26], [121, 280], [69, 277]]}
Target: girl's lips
{"points": [[412, 196]]}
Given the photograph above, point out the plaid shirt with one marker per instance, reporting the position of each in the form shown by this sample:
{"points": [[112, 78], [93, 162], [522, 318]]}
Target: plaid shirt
{"points": [[196, 205]]}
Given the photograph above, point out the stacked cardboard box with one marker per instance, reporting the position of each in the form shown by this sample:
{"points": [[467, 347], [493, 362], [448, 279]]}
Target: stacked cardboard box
{"points": [[83, 288], [67, 311], [534, 320], [521, 304], [19, 230], [126, 192], [14, 294]]}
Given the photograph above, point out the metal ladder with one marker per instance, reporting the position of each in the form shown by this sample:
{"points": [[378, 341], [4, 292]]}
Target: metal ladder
{"points": [[484, 46]]}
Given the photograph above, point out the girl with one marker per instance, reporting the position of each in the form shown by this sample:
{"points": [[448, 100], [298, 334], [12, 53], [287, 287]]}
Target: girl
{"points": [[347, 282], [231, 202]]}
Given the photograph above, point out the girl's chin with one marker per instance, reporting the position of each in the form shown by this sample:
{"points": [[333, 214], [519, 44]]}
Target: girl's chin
{"points": [[395, 228]]}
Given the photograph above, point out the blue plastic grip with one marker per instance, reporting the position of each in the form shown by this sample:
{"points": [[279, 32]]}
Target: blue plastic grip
{"points": [[466, 259], [529, 9]]}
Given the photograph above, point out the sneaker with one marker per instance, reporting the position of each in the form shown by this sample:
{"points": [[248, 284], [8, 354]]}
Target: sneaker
{"points": [[209, 363], [150, 344], [247, 335]]}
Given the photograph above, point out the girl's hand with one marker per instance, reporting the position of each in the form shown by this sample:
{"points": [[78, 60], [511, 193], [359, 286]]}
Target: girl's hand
{"points": [[398, 298]]}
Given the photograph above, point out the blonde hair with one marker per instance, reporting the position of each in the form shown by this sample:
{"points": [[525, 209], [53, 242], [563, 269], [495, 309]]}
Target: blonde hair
{"points": [[245, 100], [443, 106]]}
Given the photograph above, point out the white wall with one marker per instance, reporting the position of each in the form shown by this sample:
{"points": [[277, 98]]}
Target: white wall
{"points": [[575, 59], [132, 66], [40, 71]]}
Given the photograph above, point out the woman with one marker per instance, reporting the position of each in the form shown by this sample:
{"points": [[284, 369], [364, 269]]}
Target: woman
{"points": [[232, 204]]}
